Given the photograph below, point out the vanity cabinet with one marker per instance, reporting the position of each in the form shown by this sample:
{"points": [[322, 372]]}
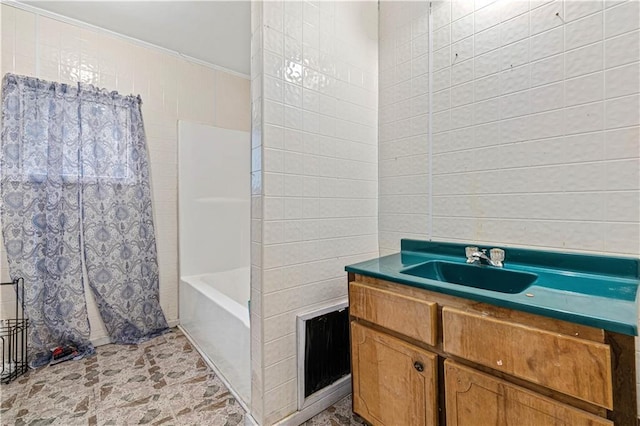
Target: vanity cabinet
{"points": [[424, 358]]}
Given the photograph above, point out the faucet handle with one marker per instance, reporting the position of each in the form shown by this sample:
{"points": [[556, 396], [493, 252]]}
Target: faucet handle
{"points": [[470, 250], [497, 255]]}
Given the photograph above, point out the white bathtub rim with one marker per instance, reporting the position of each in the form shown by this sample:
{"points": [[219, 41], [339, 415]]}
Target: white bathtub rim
{"points": [[235, 308], [240, 280]]}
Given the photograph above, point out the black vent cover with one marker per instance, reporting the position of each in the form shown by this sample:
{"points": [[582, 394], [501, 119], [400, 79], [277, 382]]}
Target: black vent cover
{"points": [[327, 356]]}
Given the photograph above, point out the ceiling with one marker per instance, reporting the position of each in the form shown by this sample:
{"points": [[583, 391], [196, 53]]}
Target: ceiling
{"points": [[217, 32]]}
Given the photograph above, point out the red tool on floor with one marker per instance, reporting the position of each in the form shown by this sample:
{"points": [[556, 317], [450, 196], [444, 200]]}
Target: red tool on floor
{"points": [[63, 353]]}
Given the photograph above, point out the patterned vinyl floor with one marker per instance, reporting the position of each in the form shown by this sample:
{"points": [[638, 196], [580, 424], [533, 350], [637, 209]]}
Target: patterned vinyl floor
{"points": [[161, 382]]}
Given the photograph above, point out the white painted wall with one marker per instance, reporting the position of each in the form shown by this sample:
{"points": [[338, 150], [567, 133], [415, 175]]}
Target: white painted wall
{"points": [[188, 27], [171, 88], [535, 125], [315, 174]]}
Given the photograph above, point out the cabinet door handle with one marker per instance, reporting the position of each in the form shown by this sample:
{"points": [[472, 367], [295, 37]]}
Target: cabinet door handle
{"points": [[418, 366]]}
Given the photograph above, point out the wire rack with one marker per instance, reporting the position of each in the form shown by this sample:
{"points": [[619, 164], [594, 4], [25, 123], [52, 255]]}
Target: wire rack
{"points": [[13, 335]]}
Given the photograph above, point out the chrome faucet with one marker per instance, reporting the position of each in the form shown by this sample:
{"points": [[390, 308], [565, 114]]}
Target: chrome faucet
{"points": [[475, 255]]}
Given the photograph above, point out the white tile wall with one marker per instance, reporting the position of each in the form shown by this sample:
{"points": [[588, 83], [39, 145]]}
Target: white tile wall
{"points": [[171, 89], [536, 137], [403, 117], [315, 173], [550, 80], [260, 353]]}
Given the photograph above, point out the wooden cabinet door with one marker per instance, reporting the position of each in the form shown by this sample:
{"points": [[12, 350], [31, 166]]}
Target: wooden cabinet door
{"points": [[477, 399], [571, 365], [394, 383]]}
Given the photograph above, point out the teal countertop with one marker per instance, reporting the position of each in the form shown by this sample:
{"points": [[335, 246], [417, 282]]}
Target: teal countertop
{"points": [[597, 291]]}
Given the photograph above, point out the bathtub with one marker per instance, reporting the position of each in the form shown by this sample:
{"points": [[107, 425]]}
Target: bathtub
{"points": [[214, 234], [214, 313]]}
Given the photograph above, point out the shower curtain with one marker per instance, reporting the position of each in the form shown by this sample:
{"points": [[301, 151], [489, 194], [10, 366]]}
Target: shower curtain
{"points": [[74, 182]]}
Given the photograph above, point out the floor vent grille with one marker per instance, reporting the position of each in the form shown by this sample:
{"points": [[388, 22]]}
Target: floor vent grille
{"points": [[324, 361]]}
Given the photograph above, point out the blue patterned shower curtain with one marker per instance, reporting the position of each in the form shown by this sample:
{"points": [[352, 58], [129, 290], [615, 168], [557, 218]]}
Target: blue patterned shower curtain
{"points": [[40, 210], [74, 182], [119, 238]]}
